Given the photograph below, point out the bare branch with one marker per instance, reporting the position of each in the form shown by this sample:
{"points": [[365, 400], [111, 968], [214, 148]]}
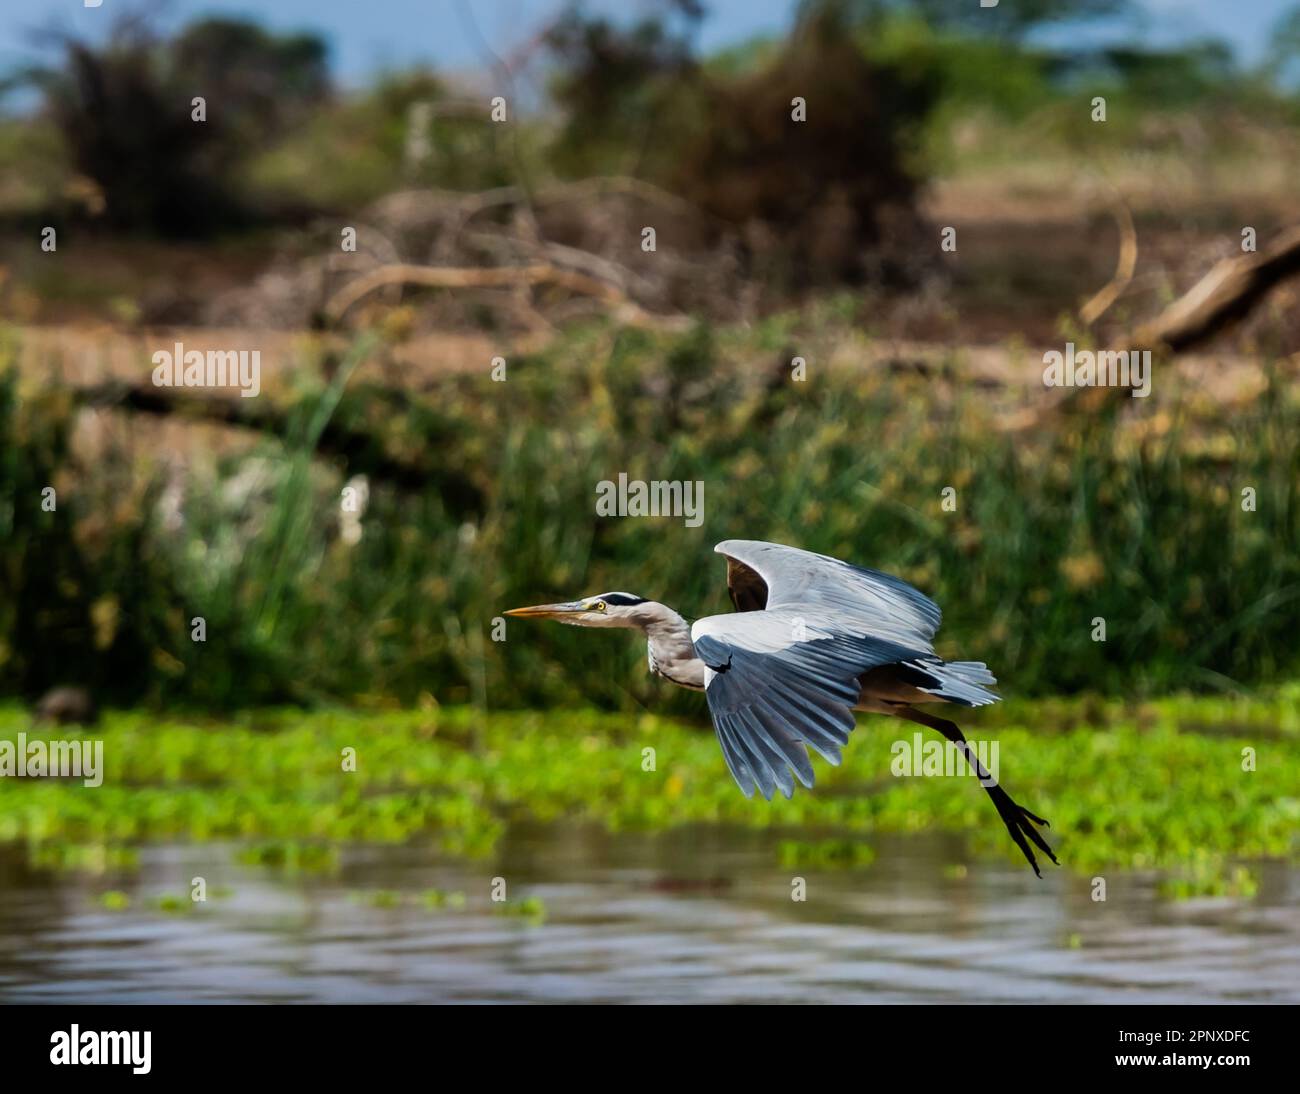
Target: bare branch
{"points": [[1101, 303], [497, 277], [1223, 296]]}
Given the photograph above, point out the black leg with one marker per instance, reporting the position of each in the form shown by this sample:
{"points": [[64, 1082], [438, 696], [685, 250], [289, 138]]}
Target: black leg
{"points": [[1016, 817]]}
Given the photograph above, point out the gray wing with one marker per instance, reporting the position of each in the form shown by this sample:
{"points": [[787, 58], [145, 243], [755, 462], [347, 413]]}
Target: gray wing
{"points": [[778, 684], [783, 674], [769, 575]]}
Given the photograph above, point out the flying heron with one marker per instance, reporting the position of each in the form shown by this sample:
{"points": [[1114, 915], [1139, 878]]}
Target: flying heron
{"points": [[812, 640]]}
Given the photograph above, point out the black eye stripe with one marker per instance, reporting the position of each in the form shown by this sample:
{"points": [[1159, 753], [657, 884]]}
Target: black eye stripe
{"points": [[622, 600]]}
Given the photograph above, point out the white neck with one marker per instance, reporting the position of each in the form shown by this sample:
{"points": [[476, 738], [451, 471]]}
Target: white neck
{"points": [[668, 638]]}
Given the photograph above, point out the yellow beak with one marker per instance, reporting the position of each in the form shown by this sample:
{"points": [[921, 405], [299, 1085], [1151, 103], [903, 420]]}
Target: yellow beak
{"points": [[547, 611]]}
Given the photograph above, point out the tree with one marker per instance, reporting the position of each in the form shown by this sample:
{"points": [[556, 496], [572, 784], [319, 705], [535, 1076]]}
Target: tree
{"points": [[126, 111], [614, 84], [1009, 19], [1283, 58]]}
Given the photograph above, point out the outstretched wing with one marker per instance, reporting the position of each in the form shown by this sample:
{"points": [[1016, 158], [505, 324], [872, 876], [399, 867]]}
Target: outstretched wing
{"points": [[784, 673], [770, 575], [777, 685]]}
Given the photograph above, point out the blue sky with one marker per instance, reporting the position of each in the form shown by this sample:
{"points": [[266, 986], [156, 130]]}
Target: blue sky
{"points": [[368, 35]]}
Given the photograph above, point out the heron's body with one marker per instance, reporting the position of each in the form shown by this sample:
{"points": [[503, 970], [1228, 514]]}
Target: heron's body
{"points": [[670, 653], [812, 640]]}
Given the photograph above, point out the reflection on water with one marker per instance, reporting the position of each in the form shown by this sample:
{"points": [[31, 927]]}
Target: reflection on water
{"points": [[697, 914]]}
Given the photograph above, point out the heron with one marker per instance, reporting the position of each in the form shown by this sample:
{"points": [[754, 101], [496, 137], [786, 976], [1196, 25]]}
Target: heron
{"points": [[812, 640]]}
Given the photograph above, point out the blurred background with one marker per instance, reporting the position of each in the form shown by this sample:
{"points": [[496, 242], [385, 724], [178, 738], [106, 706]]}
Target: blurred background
{"points": [[439, 402]]}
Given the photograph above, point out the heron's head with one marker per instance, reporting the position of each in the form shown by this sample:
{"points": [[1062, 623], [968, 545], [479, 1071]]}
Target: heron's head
{"points": [[605, 610]]}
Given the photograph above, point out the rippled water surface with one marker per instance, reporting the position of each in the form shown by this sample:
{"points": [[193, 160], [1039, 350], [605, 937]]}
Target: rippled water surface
{"points": [[691, 915]]}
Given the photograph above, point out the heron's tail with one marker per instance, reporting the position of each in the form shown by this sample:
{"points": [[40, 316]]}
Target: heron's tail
{"points": [[961, 682]]}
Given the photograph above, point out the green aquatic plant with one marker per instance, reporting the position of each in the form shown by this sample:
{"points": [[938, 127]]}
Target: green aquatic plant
{"points": [[379, 898], [1127, 786], [1206, 874], [438, 898], [531, 909], [170, 902], [114, 900], [292, 856], [827, 854], [89, 858], [392, 898]]}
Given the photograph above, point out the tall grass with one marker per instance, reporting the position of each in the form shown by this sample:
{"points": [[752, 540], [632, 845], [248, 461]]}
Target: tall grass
{"points": [[1132, 516]]}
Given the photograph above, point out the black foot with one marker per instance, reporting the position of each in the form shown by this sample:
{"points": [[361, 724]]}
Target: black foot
{"points": [[1017, 818]]}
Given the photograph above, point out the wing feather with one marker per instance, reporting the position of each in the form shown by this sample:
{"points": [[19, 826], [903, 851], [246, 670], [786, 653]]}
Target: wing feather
{"points": [[877, 603], [771, 758], [783, 674], [759, 766], [736, 757], [825, 737], [777, 734], [771, 694]]}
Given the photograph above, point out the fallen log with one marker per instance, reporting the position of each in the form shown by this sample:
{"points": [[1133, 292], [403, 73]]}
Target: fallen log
{"points": [[1224, 296]]}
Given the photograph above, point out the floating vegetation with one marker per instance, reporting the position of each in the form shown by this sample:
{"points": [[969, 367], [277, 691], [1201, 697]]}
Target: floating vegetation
{"points": [[391, 898], [531, 909], [827, 854], [1207, 876], [88, 858], [378, 898], [170, 902], [292, 856], [114, 900], [1126, 787], [437, 898]]}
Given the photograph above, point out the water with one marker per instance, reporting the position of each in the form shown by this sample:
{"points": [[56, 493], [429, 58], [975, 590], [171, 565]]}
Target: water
{"points": [[694, 915]]}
